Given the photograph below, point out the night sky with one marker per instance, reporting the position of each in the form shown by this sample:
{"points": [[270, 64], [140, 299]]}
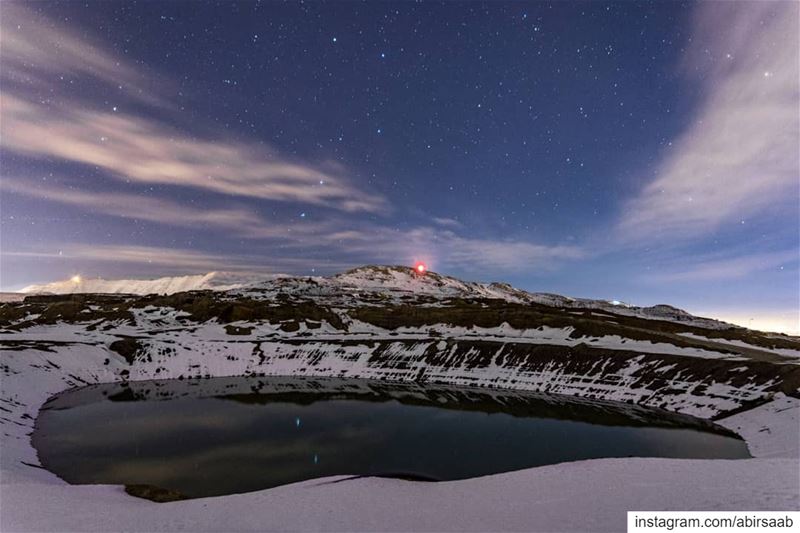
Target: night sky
{"points": [[644, 152]]}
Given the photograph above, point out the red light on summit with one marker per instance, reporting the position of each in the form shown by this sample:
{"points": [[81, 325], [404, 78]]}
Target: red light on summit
{"points": [[420, 268]]}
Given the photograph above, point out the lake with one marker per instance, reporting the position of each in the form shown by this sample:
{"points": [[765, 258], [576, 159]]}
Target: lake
{"points": [[231, 435]]}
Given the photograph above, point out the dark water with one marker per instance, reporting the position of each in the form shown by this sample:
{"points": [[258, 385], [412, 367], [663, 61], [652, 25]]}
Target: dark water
{"points": [[231, 435]]}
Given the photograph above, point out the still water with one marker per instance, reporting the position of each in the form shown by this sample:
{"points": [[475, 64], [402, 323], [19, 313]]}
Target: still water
{"points": [[231, 435]]}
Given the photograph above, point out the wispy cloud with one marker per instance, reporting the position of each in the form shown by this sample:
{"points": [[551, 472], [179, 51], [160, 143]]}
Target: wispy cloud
{"points": [[238, 221], [108, 260], [447, 249], [131, 147], [727, 268], [146, 151], [36, 52], [472, 254], [364, 242], [447, 222], [139, 207], [187, 260], [739, 156], [311, 247], [112, 261]]}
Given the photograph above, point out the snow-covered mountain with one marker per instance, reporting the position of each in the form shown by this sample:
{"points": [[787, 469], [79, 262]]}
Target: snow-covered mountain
{"points": [[166, 285], [377, 283]]}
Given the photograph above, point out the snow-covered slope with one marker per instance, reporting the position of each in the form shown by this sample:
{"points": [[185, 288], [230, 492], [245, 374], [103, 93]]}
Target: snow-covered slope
{"points": [[168, 285]]}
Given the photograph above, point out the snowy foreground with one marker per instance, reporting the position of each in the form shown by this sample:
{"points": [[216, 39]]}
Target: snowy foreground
{"points": [[62, 345], [580, 496]]}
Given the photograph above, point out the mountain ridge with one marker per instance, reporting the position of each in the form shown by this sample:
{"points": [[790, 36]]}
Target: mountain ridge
{"points": [[395, 280]]}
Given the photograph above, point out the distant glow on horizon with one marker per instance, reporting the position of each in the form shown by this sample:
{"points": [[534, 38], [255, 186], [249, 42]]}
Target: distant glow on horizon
{"points": [[75, 279], [420, 268], [787, 321]]}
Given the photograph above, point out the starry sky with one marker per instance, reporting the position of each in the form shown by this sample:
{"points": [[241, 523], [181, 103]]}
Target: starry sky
{"points": [[639, 151]]}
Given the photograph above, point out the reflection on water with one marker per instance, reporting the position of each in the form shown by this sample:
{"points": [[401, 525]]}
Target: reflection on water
{"points": [[230, 435]]}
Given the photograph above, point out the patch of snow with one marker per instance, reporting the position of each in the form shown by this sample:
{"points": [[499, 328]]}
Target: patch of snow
{"points": [[770, 430], [733, 342]]}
